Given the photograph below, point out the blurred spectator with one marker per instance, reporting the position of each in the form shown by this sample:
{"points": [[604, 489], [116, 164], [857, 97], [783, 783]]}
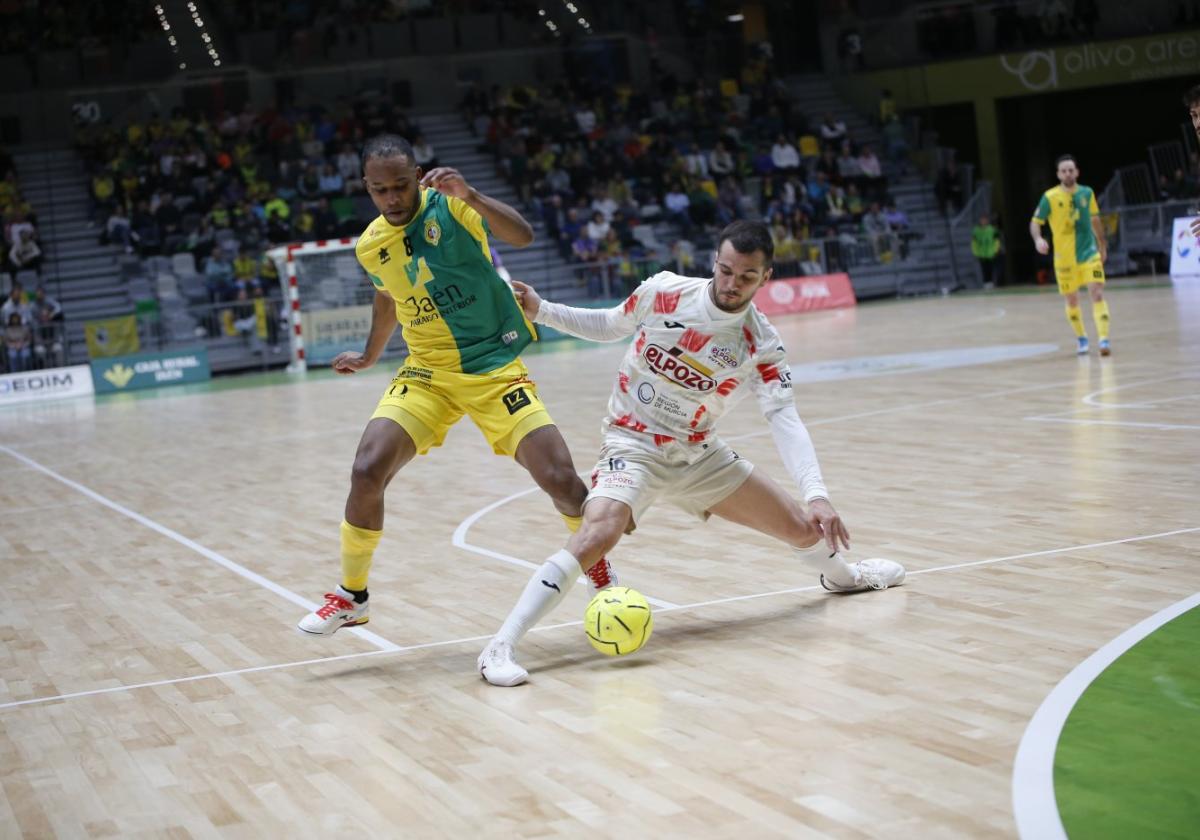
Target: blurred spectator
{"points": [[331, 182], [985, 245], [423, 154], [218, 276], [118, 230], [949, 188], [833, 131], [598, 228], [784, 155], [17, 303], [25, 255], [18, 341], [47, 316], [886, 108]]}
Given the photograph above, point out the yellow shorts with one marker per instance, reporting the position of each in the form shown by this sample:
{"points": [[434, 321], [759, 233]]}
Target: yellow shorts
{"points": [[504, 404], [1073, 277]]}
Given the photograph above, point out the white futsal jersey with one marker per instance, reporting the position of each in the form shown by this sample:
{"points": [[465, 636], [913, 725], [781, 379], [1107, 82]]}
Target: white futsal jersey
{"points": [[690, 361]]}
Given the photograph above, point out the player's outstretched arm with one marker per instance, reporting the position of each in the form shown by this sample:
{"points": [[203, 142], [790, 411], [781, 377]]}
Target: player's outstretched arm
{"points": [[505, 222], [592, 324], [383, 324]]}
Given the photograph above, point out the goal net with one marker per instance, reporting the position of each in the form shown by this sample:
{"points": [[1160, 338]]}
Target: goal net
{"points": [[329, 301]]}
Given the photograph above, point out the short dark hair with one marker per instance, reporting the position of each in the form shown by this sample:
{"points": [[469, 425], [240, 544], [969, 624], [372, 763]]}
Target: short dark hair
{"points": [[746, 237], [386, 146], [1062, 158], [1192, 96]]}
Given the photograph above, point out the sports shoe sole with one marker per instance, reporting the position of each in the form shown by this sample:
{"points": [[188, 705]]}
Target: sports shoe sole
{"points": [[304, 632]]}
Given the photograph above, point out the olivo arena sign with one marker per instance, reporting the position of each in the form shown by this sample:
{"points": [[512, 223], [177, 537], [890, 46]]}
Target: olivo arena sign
{"points": [[1040, 70]]}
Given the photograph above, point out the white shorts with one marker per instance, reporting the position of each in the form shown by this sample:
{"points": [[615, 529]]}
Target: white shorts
{"points": [[693, 477]]}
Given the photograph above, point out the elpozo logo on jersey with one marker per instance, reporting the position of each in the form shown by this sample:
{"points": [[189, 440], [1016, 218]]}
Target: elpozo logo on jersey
{"points": [[673, 365], [433, 233]]}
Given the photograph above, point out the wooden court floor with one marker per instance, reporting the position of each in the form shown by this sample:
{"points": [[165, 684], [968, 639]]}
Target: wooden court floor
{"points": [[155, 551]]}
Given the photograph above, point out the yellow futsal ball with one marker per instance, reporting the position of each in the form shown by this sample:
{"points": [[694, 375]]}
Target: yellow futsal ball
{"points": [[618, 621]]}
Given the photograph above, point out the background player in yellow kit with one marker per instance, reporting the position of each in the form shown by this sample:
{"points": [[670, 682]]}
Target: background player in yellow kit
{"points": [[1079, 248], [428, 257]]}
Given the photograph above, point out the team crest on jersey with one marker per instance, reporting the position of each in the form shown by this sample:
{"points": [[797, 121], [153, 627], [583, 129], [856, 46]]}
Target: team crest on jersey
{"points": [[433, 233]]}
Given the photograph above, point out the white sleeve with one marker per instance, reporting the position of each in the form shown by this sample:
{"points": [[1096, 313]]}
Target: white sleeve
{"points": [[796, 449], [593, 324], [600, 324]]}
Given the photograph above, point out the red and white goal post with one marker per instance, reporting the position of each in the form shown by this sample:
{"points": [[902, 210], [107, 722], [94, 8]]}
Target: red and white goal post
{"points": [[328, 298]]}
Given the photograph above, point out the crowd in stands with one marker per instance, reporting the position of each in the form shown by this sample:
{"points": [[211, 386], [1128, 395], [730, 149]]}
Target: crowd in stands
{"points": [[32, 28], [226, 188], [600, 163], [20, 248], [32, 327]]}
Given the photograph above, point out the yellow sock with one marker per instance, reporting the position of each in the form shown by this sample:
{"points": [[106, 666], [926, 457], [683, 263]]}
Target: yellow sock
{"points": [[1075, 317], [358, 546], [573, 522], [1100, 316]]}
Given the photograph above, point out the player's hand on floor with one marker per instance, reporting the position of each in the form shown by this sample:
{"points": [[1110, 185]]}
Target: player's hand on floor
{"points": [[447, 181], [350, 362], [529, 299], [822, 514]]}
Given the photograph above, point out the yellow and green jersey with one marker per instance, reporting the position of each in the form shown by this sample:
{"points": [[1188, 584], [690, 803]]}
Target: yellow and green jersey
{"points": [[457, 314], [1070, 216]]}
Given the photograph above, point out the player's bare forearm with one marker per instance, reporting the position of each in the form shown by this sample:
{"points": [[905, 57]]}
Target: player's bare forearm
{"points": [[505, 222], [1101, 242], [1035, 231], [383, 324]]}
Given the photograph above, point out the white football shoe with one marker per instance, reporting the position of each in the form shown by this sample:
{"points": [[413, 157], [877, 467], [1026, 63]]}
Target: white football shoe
{"points": [[339, 611], [497, 666], [875, 573]]}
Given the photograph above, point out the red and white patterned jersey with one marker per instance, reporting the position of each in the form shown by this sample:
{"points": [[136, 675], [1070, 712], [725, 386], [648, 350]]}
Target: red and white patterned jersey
{"points": [[689, 362]]}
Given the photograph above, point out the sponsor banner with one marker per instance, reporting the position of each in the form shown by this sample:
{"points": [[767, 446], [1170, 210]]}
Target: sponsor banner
{"points": [[328, 332], [805, 294], [48, 384], [1060, 67], [1185, 249], [150, 370], [111, 337]]}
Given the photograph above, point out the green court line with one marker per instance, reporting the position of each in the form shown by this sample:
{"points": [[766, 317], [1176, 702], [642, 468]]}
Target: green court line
{"points": [[1128, 759]]}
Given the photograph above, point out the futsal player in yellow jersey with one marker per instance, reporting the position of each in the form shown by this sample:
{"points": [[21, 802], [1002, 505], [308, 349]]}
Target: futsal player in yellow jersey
{"points": [[428, 257], [1079, 248]]}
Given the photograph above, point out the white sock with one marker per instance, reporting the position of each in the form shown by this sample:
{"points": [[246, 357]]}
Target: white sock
{"points": [[545, 590], [830, 564]]}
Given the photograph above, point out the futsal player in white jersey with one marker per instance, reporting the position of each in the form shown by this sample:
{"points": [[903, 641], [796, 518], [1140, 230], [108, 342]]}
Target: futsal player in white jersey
{"points": [[699, 347]]}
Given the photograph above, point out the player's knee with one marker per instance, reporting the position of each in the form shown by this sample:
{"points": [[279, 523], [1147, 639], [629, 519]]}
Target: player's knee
{"points": [[370, 472], [799, 529], [561, 482]]}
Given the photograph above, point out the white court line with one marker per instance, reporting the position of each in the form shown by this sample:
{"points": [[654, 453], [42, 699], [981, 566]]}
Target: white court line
{"points": [[1090, 399], [1034, 803], [989, 562], [460, 540], [1082, 422], [253, 577], [548, 627]]}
